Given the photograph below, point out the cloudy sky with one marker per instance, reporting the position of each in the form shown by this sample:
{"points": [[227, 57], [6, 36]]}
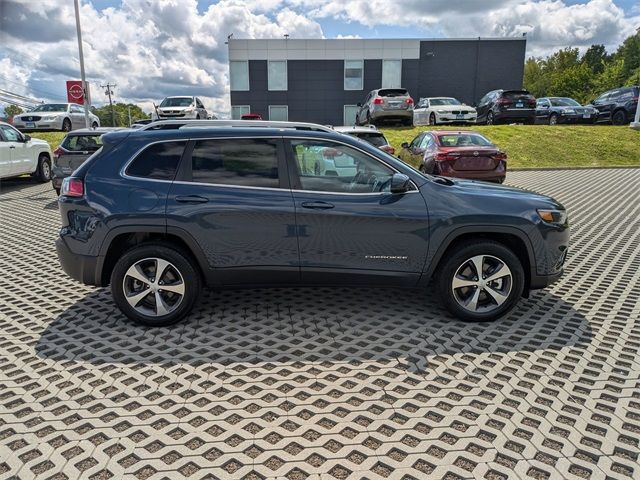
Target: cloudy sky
{"points": [[155, 48]]}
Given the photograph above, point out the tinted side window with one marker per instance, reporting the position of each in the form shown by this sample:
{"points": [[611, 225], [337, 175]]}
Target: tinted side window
{"points": [[158, 161], [75, 143], [10, 134], [242, 162]]}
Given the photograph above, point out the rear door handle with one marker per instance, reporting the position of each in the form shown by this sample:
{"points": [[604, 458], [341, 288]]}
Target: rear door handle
{"points": [[12, 146], [191, 199], [318, 205]]}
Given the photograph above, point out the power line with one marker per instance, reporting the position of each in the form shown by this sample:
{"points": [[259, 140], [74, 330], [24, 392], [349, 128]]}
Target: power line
{"points": [[37, 90], [109, 92]]}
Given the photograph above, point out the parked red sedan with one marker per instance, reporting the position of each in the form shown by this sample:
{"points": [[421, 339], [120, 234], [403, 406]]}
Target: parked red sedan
{"points": [[464, 154]]}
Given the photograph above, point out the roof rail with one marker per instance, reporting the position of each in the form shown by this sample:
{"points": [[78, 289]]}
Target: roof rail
{"points": [[175, 124]]}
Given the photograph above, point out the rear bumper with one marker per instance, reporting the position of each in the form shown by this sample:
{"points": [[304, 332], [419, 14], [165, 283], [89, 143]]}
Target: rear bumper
{"points": [[82, 268], [390, 114], [524, 114]]}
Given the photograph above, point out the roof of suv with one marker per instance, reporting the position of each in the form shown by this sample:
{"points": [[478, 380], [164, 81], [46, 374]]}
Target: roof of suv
{"points": [[357, 129], [98, 130]]}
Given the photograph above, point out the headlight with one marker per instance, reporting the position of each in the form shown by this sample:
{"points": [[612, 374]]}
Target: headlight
{"points": [[441, 111], [569, 110], [49, 119], [555, 217]]}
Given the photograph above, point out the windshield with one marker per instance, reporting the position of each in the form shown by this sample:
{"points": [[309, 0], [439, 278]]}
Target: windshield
{"points": [[51, 107], [444, 101], [564, 102], [464, 140], [375, 139], [177, 102]]}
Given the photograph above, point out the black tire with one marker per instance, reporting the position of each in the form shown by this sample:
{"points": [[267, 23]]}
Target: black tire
{"points": [[182, 263], [456, 259], [408, 122], [43, 173], [94, 125], [66, 125], [490, 119], [357, 120], [57, 191], [198, 117], [619, 117], [369, 120], [432, 119]]}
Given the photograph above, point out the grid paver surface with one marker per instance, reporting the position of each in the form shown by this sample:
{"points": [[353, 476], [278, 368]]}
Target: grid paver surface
{"points": [[330, 383]]}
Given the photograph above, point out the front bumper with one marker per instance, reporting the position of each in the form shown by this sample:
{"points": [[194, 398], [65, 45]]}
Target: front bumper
{"points": [[451, 118], [41, 125], [82, 268], [577, 118]]}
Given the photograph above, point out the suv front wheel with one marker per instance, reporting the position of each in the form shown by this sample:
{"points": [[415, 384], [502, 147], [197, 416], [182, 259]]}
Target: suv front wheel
{"points": [[480, 281], [155, 285]]}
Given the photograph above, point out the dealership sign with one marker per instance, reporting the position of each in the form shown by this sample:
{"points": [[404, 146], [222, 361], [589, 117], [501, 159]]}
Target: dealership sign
{"points": [[75, 92]]}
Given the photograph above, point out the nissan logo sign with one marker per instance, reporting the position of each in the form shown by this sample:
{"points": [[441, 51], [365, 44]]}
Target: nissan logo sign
{"points": [[475, 154], [76, 92]]}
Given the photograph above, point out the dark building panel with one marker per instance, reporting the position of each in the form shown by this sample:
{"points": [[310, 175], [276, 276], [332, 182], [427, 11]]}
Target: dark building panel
{"points": [[465, 69]]}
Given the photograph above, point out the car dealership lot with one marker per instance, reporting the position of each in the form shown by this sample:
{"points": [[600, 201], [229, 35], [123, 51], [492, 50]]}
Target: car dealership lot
{"points": [[327, 382]]}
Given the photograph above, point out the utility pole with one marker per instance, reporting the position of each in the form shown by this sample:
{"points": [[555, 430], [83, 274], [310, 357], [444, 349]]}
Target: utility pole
{"points": [[129, 108], [109, 92], [86, 99]]}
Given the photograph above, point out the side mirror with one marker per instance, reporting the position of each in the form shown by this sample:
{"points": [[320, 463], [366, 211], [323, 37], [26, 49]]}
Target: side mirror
{"points": [[399, 183], [404, 145], [26, 138], [358, 104]]}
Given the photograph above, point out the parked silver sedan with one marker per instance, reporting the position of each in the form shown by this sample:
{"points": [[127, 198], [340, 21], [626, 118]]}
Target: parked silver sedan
{"points": [[55, 116]]}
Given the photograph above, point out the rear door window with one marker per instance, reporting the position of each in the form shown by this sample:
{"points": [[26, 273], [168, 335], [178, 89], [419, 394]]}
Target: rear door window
{"points": [[158, 161], [375, 139], [241, 162]]}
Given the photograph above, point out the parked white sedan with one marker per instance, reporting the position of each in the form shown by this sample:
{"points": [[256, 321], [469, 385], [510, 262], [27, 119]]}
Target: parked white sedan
{"points": [[20, 154], [55, 116], [436, 110]]}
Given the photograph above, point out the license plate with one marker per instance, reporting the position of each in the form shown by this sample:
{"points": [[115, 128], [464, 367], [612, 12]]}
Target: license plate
{"points": [[586, 115], [30, 125], [460, 116], [394, 104], [519, 105]]}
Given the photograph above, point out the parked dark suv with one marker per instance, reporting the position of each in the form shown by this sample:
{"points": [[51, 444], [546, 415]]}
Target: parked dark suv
{"points": [[507, 106], [157, 214], [617, 106]]}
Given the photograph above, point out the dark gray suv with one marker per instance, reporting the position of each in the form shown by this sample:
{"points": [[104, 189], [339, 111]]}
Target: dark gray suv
{"points": [[157, 214]]}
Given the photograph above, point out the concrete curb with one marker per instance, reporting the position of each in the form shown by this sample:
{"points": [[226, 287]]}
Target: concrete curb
{"points": [[534, 169]]}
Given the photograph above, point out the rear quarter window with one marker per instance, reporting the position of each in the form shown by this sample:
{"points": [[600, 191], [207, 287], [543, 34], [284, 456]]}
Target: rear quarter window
{"points": [[158, 161], [375, 139]]}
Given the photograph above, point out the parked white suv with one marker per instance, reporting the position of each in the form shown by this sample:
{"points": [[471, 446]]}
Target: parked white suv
{"points": [[181, 108], [20, 154]]}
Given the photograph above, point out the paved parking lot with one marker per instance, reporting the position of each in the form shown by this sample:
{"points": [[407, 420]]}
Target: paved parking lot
{"points": [[327, 383]]}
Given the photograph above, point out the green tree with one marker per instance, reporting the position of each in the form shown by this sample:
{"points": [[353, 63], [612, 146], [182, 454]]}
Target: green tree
{"points": [[574, 82], [536, 79], [613, 76], [121, 114], [596, 58], [12, 110], [629, 53]]}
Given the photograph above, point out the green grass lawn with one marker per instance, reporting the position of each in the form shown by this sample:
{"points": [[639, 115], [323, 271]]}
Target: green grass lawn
{"points": [[529, 146], [543, 146]]}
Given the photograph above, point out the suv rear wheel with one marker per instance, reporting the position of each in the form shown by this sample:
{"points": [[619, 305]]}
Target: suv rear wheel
{"points": [[619, 118], [480, 281], [155, 285]]}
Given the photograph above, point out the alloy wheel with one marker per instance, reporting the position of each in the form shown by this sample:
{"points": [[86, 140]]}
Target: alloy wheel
{"points": [[45, 169], [490, 118], [482, 284], [153, 287], [553, 119]]}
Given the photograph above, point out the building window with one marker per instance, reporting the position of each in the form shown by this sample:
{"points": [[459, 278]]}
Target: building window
{"points": [[239, 75], [238, 110], [353, 72], [350, 112], [277, 75], [279, 113], [391, 73]]}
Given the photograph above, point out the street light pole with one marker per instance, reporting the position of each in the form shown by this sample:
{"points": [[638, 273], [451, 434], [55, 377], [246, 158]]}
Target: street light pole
{"points": [[87, 102]]}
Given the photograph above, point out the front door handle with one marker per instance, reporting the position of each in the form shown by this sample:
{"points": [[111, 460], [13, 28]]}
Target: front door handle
{"points": [[12, 146], [191, 199], [318, 205]]}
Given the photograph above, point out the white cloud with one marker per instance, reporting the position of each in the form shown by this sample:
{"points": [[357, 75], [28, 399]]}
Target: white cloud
{"points": [[154, 48]]}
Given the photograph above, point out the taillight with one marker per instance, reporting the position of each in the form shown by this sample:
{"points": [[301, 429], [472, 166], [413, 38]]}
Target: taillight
{"points": [[57, 153], [409, 101], [503, 101], [500, 156], [377, 101], [388, 148], [72, 187], [444, 157]]}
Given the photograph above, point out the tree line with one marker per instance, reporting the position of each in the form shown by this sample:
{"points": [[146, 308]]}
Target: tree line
{"points": [[566, 73]]}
